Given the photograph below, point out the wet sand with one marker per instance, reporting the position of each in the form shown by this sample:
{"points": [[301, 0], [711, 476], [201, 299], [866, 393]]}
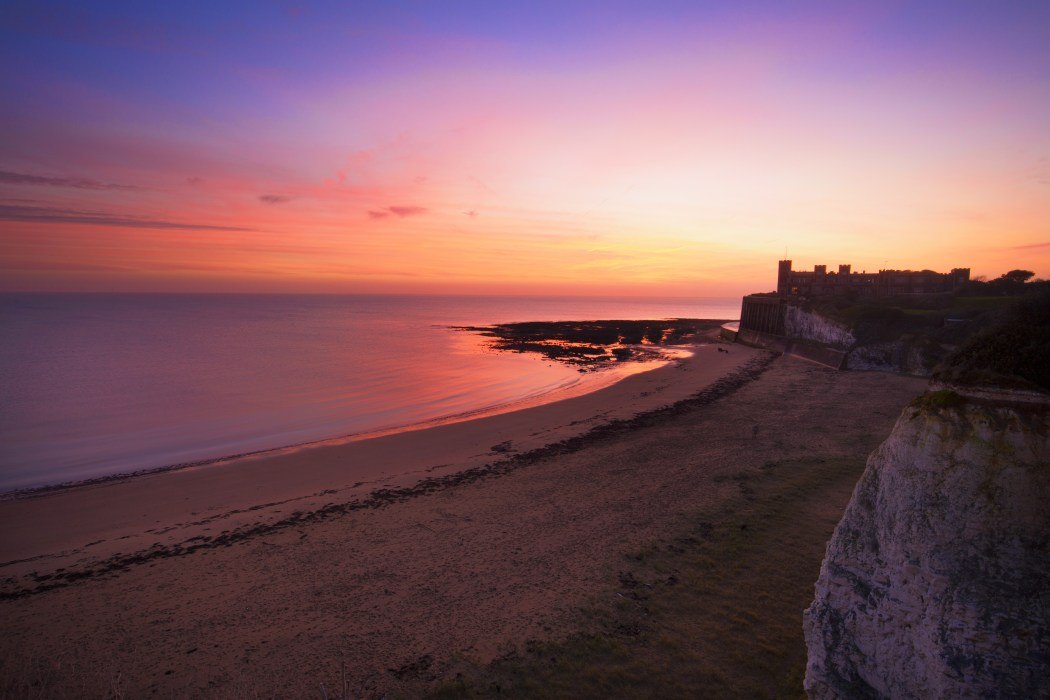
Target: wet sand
{"points": [[275, 573]]}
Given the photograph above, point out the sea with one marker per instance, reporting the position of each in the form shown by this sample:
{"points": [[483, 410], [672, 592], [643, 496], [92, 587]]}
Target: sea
{"points": [[97, 385]]}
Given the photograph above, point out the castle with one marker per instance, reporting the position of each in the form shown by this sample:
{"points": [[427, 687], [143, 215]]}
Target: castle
{"points": [[766, 313], [884, 283]]}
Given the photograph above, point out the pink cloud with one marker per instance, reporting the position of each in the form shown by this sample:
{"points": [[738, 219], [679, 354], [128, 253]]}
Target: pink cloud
{"points": [[400, 212]]}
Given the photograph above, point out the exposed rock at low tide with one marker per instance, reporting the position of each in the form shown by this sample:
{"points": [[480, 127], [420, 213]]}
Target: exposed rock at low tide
{"points": [[590, 344], [936, 583]]}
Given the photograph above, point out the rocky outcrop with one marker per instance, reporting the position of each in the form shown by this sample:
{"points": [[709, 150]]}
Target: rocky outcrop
{"points": [[880, 357], [812, 326], [908, 354], [936, 583]]}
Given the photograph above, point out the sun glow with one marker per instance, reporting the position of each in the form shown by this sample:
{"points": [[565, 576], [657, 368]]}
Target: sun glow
{"points": [[678, 156]]}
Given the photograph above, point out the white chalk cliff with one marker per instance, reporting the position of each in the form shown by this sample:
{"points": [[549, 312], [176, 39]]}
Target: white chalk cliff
{"points": [[813, 326], [936, 582]]}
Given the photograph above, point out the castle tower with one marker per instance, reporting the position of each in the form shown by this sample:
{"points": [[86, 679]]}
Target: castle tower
{"points": [[784, 277]]}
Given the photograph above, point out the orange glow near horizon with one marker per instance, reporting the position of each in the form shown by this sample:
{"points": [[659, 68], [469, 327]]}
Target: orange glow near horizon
{"points": [[654, 164]]}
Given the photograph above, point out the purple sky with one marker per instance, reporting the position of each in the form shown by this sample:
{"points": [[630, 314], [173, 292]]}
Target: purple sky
{"points": [[663, 148]]}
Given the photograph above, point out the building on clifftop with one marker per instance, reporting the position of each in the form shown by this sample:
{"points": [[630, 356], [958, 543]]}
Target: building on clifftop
{"points": [[884, 283], [779, 320]]}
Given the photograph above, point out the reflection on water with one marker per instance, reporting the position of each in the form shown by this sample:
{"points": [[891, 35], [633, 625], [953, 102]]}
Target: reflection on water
{"points": [[96, 385]]}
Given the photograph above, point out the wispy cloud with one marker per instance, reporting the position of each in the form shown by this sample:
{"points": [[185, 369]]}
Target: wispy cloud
{"points": [[274, 199], [58, 266], [402, 212], [79, 183], [1032, 246], [399, 211], [72, 216]]}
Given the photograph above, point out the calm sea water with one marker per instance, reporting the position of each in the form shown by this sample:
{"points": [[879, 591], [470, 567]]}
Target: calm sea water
{"points": [[95, 385]]}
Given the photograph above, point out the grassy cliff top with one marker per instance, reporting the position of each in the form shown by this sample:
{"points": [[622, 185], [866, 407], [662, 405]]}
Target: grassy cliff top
{"points": [[1012, 352], [875, 320]]}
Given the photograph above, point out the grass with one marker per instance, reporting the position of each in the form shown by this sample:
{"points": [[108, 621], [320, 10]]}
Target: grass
{"points": [[713, 611], [1010, 353], [978, 304], [928, 328], [907, 312], [939, 400]]}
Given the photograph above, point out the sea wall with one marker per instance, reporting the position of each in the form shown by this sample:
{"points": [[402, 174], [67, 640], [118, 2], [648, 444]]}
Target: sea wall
{"points": [[808, 350], [728, 331], [936, 582], [806, 335]]}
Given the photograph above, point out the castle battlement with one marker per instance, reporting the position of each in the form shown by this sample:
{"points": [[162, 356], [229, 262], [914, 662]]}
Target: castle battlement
{"points": [[884, 283], [772, 320]]}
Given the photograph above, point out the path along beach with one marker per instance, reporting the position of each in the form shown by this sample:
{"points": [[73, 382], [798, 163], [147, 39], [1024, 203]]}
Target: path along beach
{"points": [[458, 543]]}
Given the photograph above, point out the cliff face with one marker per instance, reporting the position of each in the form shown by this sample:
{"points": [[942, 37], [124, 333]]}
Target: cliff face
{"points": [[936, 583], [813, 326], [908, 355]]}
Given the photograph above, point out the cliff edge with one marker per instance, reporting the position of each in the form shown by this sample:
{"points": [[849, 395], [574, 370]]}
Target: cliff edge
{"points": [[936, 582]]}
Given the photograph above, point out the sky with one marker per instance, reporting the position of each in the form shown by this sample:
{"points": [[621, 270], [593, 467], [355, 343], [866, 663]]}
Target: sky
{"points": [[656, 148]]}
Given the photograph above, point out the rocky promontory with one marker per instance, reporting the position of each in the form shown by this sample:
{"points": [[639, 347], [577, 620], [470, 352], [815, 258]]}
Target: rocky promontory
{"points": [[936, 582]]}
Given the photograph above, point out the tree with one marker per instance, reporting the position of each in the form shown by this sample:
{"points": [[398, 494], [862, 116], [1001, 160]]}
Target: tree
{"points": [[1018, 276]]}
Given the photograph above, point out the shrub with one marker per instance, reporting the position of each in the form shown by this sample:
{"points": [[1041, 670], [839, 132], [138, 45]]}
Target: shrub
{"points": [[1011, 353]]}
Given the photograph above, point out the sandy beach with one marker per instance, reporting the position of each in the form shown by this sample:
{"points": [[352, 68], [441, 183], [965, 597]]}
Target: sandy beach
{"points": [[386, 563]]}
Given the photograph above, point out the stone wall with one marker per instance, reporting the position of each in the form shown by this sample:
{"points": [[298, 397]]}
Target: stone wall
{"points": [[815, 352], [762, 313]]}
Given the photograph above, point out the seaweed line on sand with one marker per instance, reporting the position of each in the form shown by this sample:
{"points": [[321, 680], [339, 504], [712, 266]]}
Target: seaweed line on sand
{"points": [[384, 497]]}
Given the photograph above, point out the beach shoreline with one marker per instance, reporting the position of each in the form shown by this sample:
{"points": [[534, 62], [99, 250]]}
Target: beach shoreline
{"points": [[593, 374], [98, 525], [558, 393], [471, 539]]}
